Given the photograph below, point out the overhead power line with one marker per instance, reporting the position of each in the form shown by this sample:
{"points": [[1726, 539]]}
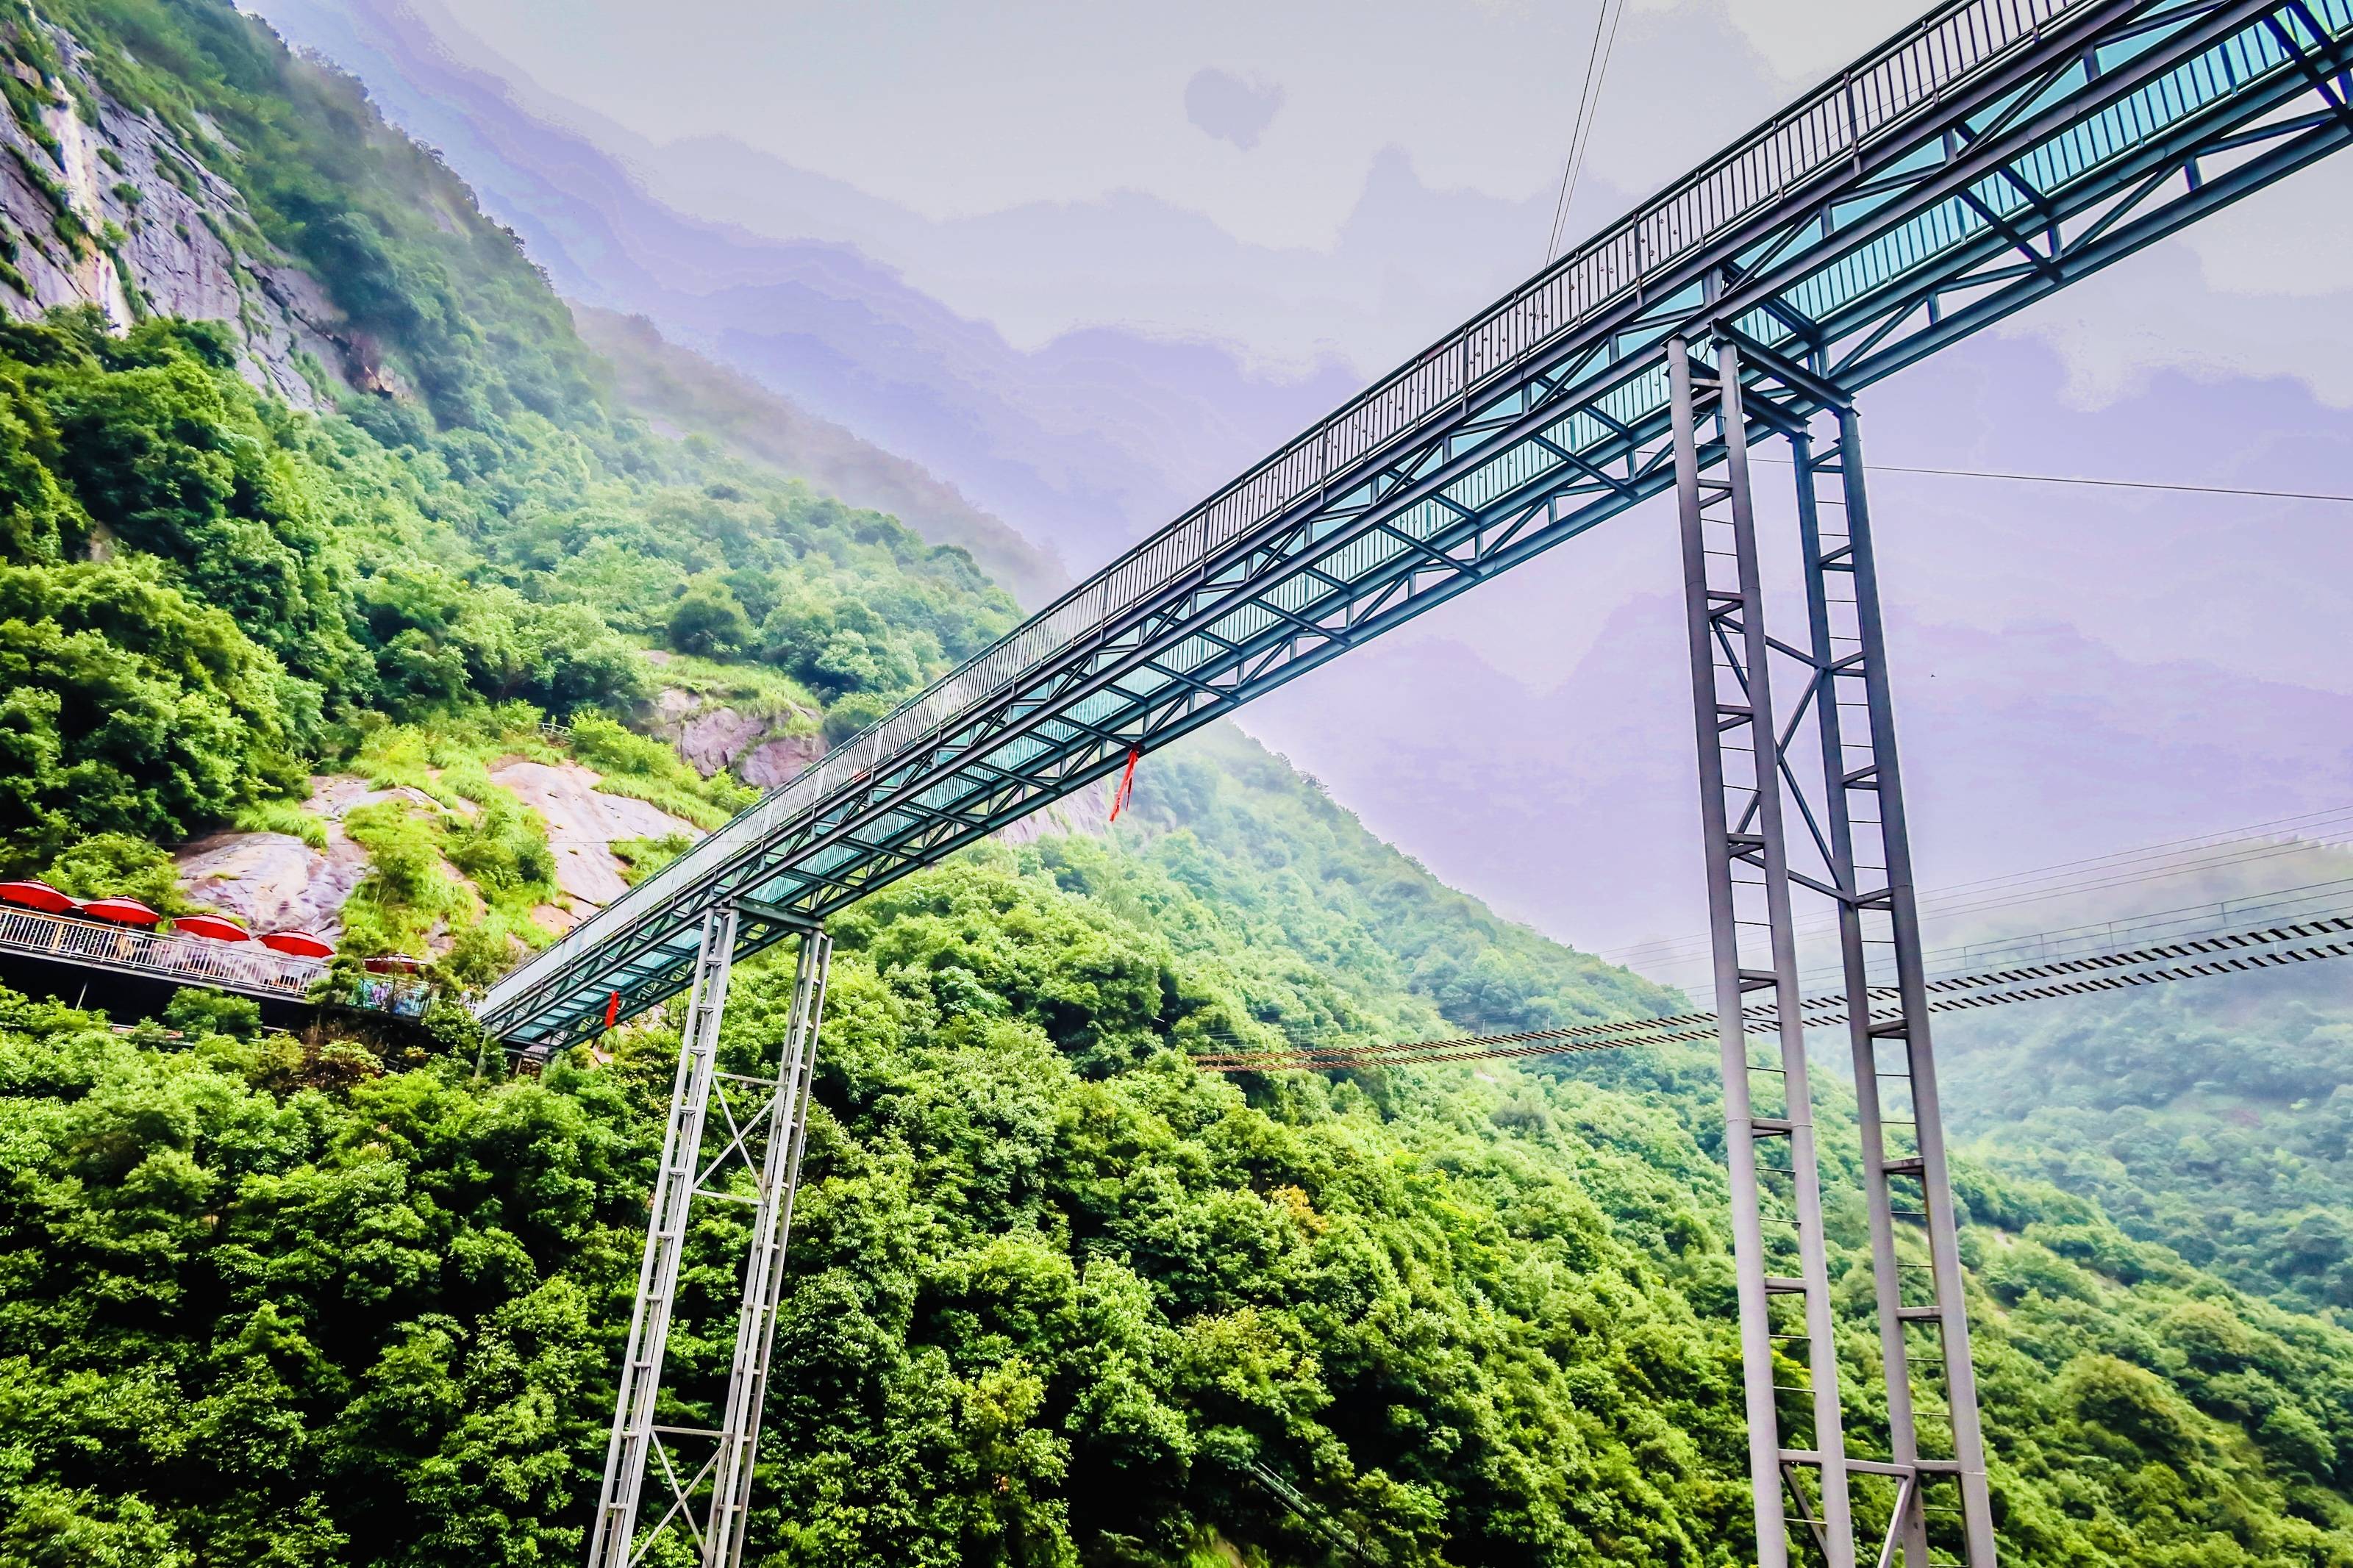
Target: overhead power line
{"points": [[2095, 483], [2121, 484], [1589, 105]]}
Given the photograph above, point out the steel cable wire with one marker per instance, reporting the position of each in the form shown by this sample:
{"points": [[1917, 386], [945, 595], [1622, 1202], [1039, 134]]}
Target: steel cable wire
{"points": [[2190, 958]]}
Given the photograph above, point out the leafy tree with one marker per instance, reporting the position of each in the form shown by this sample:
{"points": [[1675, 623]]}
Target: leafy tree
{"points": [[163, 447], [131, 709], [710, 620], [119, 866], [36, 514], [1055, 1296]]}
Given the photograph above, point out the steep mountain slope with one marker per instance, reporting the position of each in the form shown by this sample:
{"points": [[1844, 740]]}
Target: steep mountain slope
{"points": [[2024, 747], [2218, 1120], [1055, 1297], [684, 390], [1058, 1298], [1086, 441]]}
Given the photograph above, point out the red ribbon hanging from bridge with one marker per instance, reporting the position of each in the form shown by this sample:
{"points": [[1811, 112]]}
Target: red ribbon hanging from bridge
{"points": [[612, 1009], [1119, 797]]}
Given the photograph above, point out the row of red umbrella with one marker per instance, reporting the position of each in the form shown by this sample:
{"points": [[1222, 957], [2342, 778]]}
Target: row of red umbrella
{"points": [[35, 895]]}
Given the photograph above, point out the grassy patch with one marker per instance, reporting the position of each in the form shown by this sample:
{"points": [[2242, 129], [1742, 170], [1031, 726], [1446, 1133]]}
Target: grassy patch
{"points": [[450, 759], [282, 816], [641, 858], [475, 866], [631, 764], [408, 892], [759, 689]]}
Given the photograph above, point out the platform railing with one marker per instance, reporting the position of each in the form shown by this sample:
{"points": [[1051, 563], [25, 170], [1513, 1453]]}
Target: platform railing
{"points": [[201, 960]]}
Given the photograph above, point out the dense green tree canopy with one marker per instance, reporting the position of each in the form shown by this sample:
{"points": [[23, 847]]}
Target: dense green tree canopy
{"points": [[202, 594], [2215, 1118], [1055, 1297]]}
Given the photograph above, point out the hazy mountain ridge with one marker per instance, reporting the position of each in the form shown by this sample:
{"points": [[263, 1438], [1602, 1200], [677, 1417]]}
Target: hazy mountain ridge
{"points": [[1085, 443], [685, 391], [2016, 747]]}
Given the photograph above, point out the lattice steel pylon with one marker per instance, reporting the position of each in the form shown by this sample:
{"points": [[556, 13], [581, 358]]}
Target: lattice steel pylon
{"points": [[1853, 850], [1870, 861], [711, 1496]]}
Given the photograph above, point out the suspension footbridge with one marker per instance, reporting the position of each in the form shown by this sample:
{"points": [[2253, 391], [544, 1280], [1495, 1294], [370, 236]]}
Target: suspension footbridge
{"points": [[1991, 154]]}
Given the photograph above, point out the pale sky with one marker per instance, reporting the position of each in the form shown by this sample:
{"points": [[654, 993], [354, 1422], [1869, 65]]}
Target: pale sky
{"points": [[955, 113], [957, 110]]}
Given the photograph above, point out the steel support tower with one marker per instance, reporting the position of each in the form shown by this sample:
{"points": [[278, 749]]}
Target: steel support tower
{"points": [[752, 1156], [1755, 776]]}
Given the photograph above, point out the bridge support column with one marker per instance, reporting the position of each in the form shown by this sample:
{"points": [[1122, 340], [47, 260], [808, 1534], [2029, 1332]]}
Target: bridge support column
{"points": [[1923, 1326], [1777, 1211], [753, 1157], [1847, 843]]}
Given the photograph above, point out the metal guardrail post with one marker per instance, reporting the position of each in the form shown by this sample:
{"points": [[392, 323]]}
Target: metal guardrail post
{"points": [[197, 960]]}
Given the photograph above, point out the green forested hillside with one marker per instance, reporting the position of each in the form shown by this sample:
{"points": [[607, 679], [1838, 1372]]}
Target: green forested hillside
{"points": [[1056, 1296], [2216, 1119]]}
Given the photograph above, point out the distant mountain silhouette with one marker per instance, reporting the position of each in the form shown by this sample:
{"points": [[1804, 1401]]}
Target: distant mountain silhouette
{"points": [[679, 387], [1572, 808], [1576, 809]]}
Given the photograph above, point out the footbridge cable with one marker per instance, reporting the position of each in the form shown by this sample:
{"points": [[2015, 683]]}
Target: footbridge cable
{"points": [[2269, 947]]}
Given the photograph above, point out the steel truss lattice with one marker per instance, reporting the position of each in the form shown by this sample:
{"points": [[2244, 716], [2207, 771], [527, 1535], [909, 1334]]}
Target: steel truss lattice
{"points": [[1801, 794], [753, 1157], [1991, 154]]}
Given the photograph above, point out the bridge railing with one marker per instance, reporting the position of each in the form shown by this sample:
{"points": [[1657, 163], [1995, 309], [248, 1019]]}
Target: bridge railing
{"points": [[243, 966], [1841, 116]]}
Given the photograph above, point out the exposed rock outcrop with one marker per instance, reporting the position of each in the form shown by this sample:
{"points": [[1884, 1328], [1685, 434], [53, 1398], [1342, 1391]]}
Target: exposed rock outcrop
{"points": [[124, 216], [763, 752], [1084, 811], [582, 823], [779, 760], [766, 752], [273, 881]]}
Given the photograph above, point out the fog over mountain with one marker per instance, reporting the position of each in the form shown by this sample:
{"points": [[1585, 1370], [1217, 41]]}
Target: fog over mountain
{"points": [[1086, 441]]}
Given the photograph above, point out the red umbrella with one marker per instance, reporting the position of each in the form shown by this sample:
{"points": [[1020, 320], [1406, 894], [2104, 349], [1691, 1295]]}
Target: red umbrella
{"points": [[122, 912], [298, 943], [212, 926], [36, 896]]}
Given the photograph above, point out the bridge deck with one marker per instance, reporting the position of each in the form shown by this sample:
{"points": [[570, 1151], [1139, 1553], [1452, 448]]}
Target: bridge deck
{"points": [[1991, 154]]}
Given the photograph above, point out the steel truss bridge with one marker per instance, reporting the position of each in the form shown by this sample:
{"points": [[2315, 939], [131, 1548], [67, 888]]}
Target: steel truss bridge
{"points": [[1991, 154]]}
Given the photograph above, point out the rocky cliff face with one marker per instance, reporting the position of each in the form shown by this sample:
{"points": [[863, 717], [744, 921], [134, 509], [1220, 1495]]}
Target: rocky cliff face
{"points": [[102, 205], [763, 751]]}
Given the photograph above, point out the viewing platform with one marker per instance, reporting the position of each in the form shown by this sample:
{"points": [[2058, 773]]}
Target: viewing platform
{"points": [[246, 968]]}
